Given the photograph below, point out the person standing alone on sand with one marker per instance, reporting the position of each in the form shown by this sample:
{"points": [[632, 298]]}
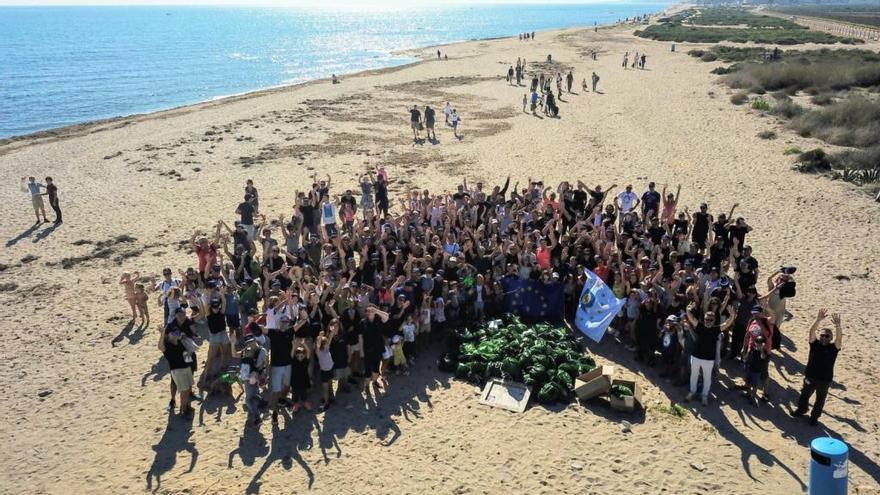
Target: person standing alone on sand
{"points": [[36, 197], [455, 121], [625, 59], [595, 81], [824, 347], [569, 80], [447, 110]]}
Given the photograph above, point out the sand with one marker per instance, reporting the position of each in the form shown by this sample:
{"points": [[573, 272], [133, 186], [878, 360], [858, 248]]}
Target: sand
{"points": [[84, 394]]}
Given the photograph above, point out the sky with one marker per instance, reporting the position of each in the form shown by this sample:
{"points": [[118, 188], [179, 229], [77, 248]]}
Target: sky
{"points": [[281, 3]]}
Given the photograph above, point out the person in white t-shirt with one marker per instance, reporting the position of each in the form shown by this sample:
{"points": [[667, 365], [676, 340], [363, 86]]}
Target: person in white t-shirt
{"points": [[627, 200], [447, 110]]}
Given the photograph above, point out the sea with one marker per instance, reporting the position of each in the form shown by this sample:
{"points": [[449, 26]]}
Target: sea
{"points": [[67, 65]]}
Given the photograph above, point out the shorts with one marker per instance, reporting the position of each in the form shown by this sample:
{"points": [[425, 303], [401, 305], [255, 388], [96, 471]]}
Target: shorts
{"points": [[233, 321], [37, 201], [414, 124], [429, 124], [280, 377], [755, 378], [372, 361], [342, 374], [250, 231], [219, 338], [183, 378], [326, 376]]}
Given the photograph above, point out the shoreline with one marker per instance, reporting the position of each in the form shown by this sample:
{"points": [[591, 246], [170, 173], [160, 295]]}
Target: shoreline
{"points": [[7, 144]]}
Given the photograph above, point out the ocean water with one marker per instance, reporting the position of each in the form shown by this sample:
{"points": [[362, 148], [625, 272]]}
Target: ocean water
{"points": [[65, 65]]}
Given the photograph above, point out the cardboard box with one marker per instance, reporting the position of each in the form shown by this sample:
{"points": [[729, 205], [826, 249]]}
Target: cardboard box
{"points": [[626, 404], [513, 396], [594, 383]]}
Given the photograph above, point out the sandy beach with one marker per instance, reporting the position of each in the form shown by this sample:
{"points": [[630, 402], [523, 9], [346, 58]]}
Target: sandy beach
{"points": [[85, 394]]}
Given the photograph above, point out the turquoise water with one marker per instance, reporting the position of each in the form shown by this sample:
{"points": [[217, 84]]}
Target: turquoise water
{"points": [[64, 65]]}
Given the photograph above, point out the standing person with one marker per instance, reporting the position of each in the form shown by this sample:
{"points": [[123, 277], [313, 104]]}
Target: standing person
{"points": [[569, 80], [510, 75], [824, 347], [757, 363], [456, 120], [627, 200], [36, 197], [299, 378], [179, 359], [534, 102], [702, 221], [281, 357], [642, 64], [595, 81], [650, 201], [255, 195], [247, 211], [429, 123], [438, 54], [705, 334], [325, 363], [52, 192], [164, 287], [372, 342], [625, 60], [447, 111], [525, 102], [415, 120], [635, 60]]}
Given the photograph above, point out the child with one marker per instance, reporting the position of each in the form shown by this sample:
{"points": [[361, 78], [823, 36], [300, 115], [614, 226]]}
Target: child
{"points": [[127, 282], [141, 298], [399, 355], [299, 378], [172, 301], [409, 339], [325, 363], [757, 363], [525, 102], [253, 364], [669, 346], [386, 358], [425, 323]]}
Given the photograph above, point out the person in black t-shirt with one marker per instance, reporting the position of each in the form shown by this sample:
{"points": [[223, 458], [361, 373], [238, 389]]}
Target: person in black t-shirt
{"points": [[824, 346], [178, 357], [705, 334], [52, 192], [246, 212], [415, 120], [372, 342]]}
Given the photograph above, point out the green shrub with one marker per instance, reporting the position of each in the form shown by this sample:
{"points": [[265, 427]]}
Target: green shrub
{"points": [[787, 108], [794, 150], [709, 57], [761, 104], [852, 122], [767, 135]]}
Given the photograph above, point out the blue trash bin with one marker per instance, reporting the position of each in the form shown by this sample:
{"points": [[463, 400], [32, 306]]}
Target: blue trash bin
{"points": [[828, 467]]}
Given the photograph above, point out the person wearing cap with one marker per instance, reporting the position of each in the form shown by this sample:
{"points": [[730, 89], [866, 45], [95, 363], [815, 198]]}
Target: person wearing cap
{"points": [[819, 373], [179, 362], [627, 200]]}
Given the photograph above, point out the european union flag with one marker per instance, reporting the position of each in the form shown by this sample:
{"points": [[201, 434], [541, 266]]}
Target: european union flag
{"points": [[533, 300], [596, 308]]}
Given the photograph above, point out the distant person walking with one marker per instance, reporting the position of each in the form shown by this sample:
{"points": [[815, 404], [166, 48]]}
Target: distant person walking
{"points": [[456, 120], [595, 81], [510, 75], [569, 80], [447, 110], [34, 187], [438, 54], [642, 62], [625, 59], [52, 192]]}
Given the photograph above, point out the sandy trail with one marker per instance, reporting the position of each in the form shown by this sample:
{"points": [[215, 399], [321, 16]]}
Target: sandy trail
{"points": [[156, 178]]}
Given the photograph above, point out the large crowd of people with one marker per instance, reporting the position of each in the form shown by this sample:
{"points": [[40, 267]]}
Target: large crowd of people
{"points": [[345, 291]]}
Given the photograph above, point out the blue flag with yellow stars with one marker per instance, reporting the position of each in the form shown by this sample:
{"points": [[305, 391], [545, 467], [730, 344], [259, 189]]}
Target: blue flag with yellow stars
{"points": [[597, 307], [533, 300]]}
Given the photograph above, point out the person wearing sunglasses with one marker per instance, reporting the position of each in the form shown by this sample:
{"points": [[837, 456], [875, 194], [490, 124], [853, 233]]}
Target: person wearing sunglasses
{"points": [[824, 346]]}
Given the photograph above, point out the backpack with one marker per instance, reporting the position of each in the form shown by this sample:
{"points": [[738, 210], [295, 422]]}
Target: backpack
{"points": [[788, 289]]}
